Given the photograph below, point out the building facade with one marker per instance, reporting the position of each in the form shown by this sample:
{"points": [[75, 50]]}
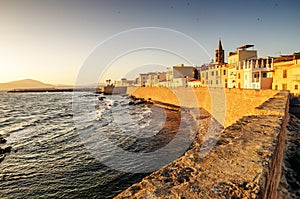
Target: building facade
{"points": [[154, 79], [215, 74], [141, 80], [178, 76], [236, 60], [125, 82], [244, 70], [286, 75]]}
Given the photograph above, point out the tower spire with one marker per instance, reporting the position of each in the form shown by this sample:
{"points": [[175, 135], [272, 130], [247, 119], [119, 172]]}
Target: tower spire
{"points": [[220, 53], [220, 48]]}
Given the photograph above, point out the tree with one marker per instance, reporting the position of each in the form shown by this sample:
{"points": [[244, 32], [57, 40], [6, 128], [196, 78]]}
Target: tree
{"points": [[196, 73]]}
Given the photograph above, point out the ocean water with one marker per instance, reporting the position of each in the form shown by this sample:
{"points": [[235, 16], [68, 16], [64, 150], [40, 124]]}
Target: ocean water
{"points": [[51, 157]]}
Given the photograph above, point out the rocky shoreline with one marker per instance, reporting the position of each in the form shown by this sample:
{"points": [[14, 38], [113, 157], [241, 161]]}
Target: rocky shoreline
{"points": [[149, 101], [173, 118]]}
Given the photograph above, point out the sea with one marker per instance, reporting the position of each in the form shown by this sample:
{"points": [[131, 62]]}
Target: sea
{"points": [[52, 156]]}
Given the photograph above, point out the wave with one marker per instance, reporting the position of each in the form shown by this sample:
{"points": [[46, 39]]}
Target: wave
{"points": [[51, 144]]}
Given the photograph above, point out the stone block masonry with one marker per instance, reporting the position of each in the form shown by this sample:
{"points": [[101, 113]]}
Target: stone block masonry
{"points": [[225, 105], [246, 160]]}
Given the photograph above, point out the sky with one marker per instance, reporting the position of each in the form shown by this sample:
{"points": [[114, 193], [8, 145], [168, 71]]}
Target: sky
{"points": [[55, 41]]}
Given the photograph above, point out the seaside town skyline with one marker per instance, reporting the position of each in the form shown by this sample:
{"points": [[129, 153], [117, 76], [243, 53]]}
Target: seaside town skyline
{"points": [[49, 41], [244, 69], [149, 99]]}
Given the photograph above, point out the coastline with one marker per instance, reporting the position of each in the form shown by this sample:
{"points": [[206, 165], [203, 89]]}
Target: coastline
{"points": [[245, 162], [42, 90], [238, 166], [116, 185]]}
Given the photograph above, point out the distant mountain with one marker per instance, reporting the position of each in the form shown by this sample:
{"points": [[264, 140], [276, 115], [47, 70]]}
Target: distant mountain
{"points": [[24, 84]]}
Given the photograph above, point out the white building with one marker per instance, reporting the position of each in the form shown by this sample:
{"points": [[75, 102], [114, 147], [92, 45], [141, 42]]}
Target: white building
{"points": [[141, 80], [258, 73]]}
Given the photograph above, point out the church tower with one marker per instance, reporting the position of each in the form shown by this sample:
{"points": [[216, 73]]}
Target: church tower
{"points": [[220, 53]]}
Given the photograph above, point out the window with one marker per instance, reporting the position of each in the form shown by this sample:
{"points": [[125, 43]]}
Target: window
{"points": [[296, 87], [284, 75], [284, 86], [211, 82], [224, 72], [217, 82], [239, 76], [246, 77], [264, 75], [276, 87], [217, 73], [212, 73]]}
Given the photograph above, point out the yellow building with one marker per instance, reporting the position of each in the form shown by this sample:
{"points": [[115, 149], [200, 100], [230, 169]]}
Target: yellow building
{"points": [[286, 75], [222, 67], [216, 74]]}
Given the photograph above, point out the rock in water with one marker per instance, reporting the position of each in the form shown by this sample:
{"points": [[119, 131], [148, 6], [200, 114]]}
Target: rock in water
{"points": [[2, 140]]}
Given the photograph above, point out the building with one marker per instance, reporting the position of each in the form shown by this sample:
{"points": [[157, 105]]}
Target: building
{"points": [[141, 80], [179, 71], [150, 79], [231, 76], [125, 82], [177, 76], [220, 54], [215, 74], [236, 60], [286, 74], [243, 70], [204, 74], [154, 78]]}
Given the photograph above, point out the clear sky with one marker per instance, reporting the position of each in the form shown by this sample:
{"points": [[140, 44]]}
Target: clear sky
{"points": [[49, 40]]}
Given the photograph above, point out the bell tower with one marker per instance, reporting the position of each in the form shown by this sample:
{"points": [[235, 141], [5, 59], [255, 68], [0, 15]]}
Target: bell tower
{"points": [[220, 53]]}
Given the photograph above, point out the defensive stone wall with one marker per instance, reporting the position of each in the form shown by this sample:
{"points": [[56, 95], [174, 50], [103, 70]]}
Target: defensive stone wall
{"points": [[246, 159], [225, 105]]}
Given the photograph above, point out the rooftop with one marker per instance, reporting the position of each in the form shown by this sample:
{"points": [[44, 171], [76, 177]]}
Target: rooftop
{"points": [[245, 47]]}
